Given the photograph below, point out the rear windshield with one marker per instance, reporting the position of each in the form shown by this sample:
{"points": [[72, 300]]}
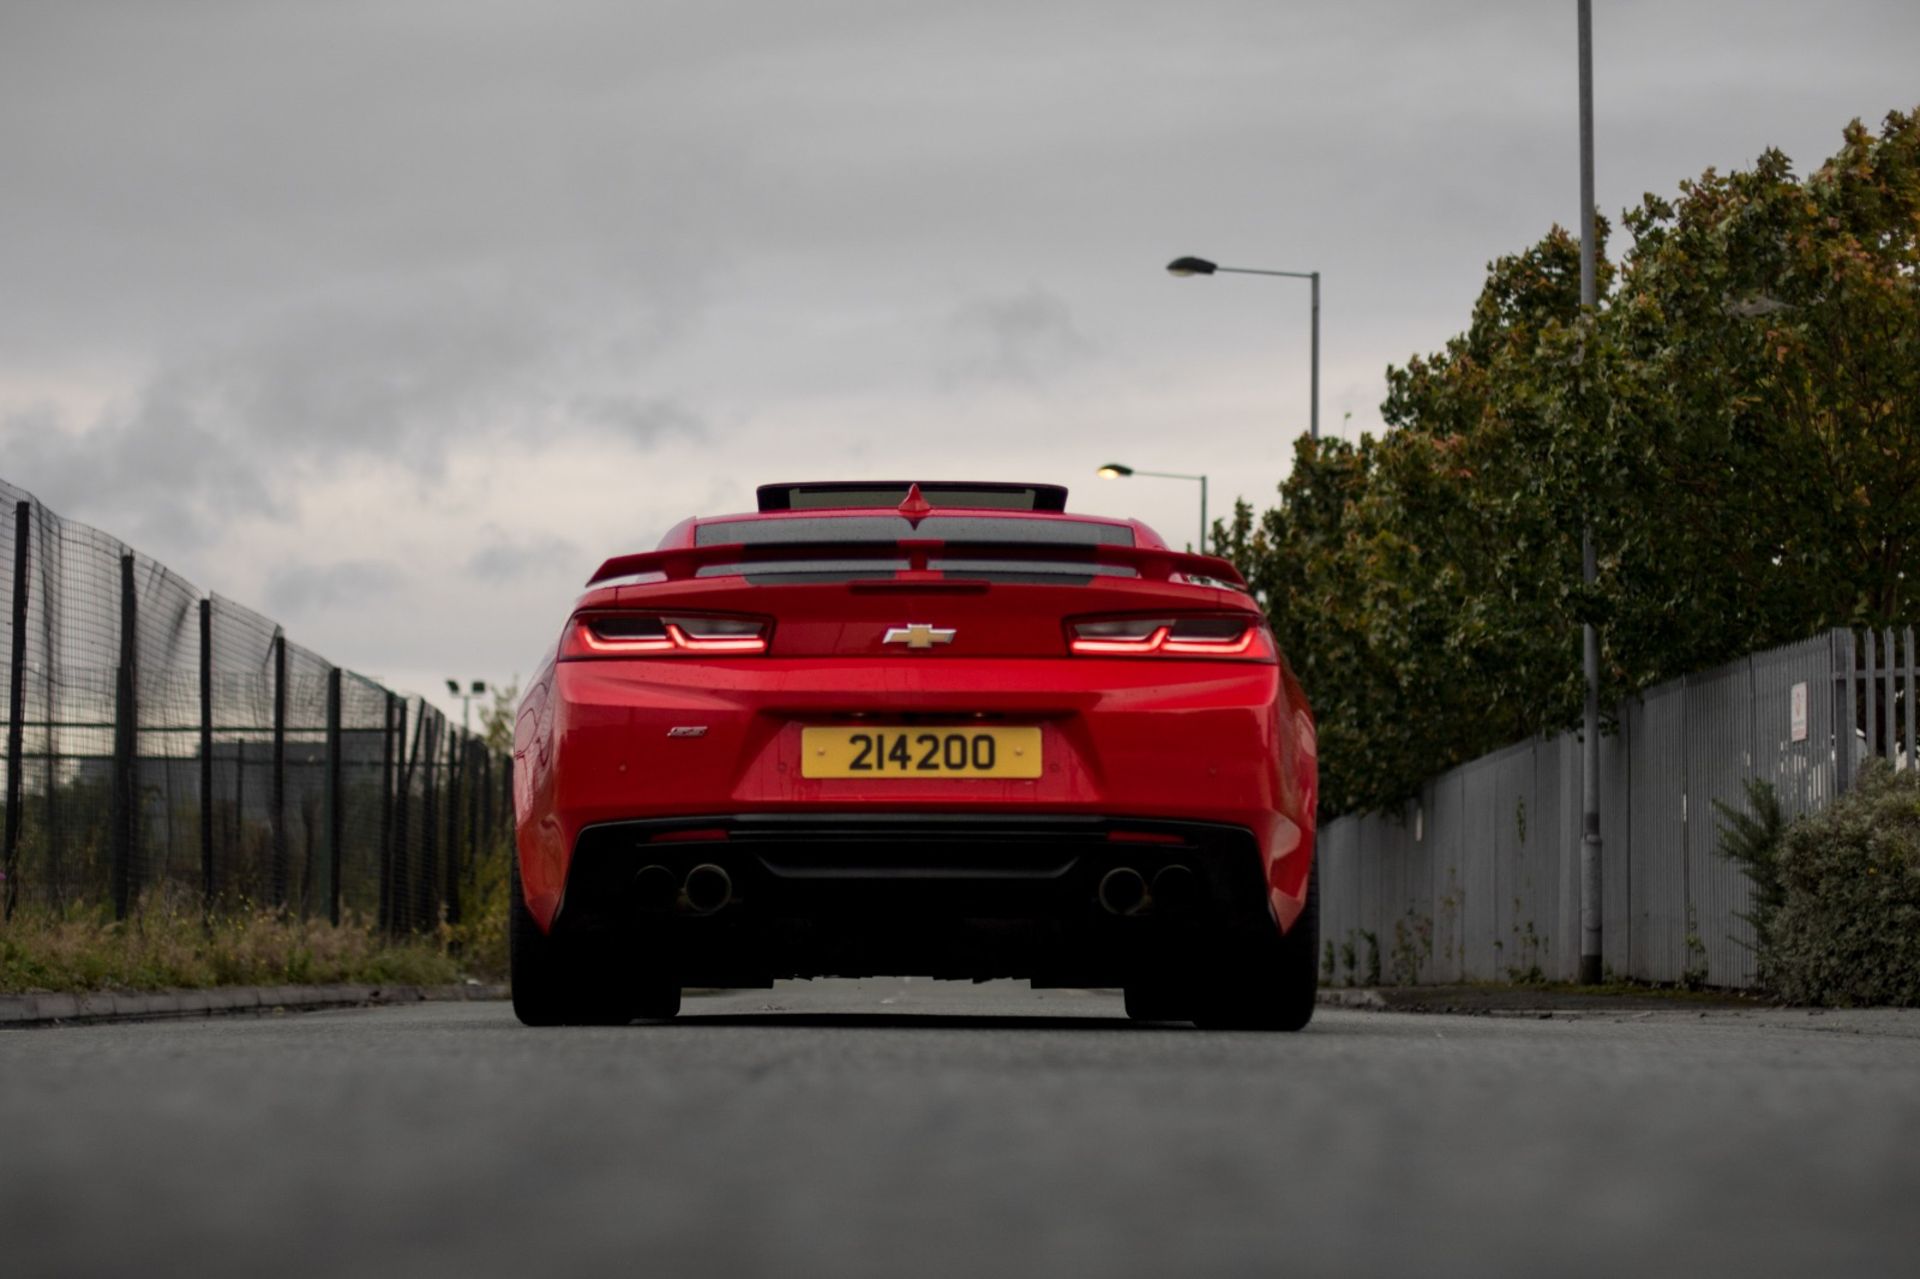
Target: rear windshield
{"points": [[808, 499], [974, 530], [893, 528]]}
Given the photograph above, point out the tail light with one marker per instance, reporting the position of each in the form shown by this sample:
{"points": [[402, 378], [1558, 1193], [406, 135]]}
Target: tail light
{"points": [[1242, 637], [663, 635]]}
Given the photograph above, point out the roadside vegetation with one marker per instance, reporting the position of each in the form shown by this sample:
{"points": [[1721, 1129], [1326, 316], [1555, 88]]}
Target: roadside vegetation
{"points": [[1739, 424], [1836, 894], [161, 948], [168, 943]]}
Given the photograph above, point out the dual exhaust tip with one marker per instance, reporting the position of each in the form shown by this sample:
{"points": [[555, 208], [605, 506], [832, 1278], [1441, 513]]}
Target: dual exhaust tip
{"points": [[705, 889], [708, 888], [1125, 891]]}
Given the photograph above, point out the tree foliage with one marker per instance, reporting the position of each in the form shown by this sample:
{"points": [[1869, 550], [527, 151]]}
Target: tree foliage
{"points": [[1738, 422]]}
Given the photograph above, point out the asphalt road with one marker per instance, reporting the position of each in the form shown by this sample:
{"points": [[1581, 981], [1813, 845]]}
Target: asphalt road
{"points": [[924, 1129]]}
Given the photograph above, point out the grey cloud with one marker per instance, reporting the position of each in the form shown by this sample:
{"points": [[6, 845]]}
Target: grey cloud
{"points": [[504, 558], [1019, 337], [641, 420], [298, 591], [152, 470], [408, 376]]}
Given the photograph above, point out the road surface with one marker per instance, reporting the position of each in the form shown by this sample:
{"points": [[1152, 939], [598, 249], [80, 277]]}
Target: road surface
{"points": [[925, 1129]]}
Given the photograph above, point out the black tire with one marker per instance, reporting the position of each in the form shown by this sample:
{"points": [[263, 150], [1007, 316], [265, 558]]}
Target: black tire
{"points": [[558, 985], [539, 977], [1270, 983], [658, 999], [1157, 1001]]}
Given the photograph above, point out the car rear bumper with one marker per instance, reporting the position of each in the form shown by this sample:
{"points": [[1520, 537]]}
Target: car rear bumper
{"points": [[941, 895], [1205, 743]]}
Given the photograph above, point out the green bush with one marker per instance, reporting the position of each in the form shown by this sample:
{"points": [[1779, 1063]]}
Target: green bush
{"points": [[1837, 900]]}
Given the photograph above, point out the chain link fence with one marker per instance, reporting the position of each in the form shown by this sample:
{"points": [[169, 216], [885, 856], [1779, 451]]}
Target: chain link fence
{"points": [[167, 745]]}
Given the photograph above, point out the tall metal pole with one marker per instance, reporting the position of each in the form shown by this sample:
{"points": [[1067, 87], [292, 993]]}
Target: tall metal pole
{"points": [[1203, 515], [206, 757], [1590, 876], [126, 746], [281, 875], [336, 836], [16, 704], [1314, 422]]}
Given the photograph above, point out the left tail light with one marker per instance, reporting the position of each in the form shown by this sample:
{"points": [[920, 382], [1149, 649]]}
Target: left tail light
{"points": [[1242, 637], [664, 635]]}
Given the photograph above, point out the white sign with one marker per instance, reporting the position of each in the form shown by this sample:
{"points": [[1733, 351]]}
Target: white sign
{"points": [[1799, 712]]}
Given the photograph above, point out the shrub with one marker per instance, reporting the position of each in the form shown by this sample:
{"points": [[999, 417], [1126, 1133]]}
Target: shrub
{"points": [[1751, 840], [169, 944], [479, 940], [1846, 927]]}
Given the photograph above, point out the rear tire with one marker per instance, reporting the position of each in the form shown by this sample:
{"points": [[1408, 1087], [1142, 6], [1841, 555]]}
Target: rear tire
{"points": [[540, 987], [1270, 983], [555, 984], [1157, 1001]]}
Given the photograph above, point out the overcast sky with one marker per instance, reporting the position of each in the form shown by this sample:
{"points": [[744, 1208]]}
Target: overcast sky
{"points": [[392, 320]]}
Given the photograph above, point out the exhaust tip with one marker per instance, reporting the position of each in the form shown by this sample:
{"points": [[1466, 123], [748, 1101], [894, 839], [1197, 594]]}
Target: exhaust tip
{"points": [[707, 888], [655, 888], [1175, 887], [1123, 891]]}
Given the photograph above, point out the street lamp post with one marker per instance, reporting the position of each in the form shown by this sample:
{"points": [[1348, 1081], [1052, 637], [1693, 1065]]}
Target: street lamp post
{"points": [[1591, 879], [1200, 266], [1115, 471], [478, 689]]}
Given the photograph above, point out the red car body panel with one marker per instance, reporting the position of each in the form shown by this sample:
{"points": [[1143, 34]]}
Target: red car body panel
{"points": [[1155, 738]]}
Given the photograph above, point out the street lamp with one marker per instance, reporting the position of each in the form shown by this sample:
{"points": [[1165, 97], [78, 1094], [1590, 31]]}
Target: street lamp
{"points": [[1115, 471], [1200, 266], [478, 689]]}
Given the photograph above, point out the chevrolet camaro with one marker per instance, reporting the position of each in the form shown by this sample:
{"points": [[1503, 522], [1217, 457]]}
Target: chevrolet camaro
{"points": [[929, 729]]}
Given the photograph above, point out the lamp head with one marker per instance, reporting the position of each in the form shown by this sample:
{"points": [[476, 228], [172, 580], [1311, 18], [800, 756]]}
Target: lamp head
{"points": [[453, 686], [1191, 266], [1114, 471]]}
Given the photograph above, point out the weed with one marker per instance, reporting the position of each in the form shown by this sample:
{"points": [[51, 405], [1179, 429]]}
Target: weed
{"points": [[1412, 947], [169, 943], [1527, 946], [1694, 975]]}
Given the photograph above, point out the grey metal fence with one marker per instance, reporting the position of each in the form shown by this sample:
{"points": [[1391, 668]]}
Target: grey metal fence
{"points": [[162, 744], [1478, 880]]}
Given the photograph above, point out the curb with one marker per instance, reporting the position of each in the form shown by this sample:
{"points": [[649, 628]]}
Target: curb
{"points": [[1350, 997], [19, 1011], [1499, 1000]]}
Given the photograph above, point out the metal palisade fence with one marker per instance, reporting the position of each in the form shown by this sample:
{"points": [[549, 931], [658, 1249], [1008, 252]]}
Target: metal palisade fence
{"points": [[1478, 880], [164, 744]]}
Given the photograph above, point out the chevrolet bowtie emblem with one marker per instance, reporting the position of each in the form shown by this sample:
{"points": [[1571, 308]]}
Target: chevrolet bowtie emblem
{"points": [[918, 635]]}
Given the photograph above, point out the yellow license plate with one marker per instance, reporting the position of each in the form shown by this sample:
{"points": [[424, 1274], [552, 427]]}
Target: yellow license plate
{"points": [[897, 752]]}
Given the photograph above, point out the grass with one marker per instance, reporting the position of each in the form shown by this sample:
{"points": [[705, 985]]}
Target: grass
{"points": [[166, 945]]}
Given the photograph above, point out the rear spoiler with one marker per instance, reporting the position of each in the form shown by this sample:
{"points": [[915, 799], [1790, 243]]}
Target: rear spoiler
{"points": [[1151, 563]]}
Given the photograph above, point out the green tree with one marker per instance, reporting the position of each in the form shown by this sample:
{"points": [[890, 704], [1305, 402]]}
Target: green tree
{"points": [[496, 721], [1736, 423]]}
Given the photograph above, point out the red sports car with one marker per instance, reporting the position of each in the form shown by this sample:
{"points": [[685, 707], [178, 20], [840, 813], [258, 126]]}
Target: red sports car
{"points": [[940, 729]]}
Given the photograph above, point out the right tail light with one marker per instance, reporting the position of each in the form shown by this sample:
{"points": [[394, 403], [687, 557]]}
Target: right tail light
{"points": [[1239, 637]]}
